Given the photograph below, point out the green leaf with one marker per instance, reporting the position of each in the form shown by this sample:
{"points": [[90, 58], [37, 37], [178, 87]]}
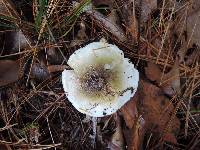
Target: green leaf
{"points": [[41, 13], [75, 14]]}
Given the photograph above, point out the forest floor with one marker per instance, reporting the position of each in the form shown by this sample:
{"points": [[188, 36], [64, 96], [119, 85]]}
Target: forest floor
{"points": [[160, 37]]}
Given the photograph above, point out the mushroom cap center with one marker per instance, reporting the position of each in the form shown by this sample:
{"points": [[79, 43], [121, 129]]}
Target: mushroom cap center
{"points": [[94, 80]]}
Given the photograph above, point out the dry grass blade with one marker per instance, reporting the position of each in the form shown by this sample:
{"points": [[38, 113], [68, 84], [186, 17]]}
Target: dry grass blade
{"points": [[190, 98], [166, 32], [7, 127], [8, 9]]}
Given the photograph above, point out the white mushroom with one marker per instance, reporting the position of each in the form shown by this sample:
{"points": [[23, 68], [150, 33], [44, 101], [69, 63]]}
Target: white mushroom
{"points": [[101, 81]]}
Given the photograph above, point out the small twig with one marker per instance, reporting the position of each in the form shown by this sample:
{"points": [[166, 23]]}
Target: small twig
{"points": [[56, 68], [107, 25], [50, 132], [189, 102], [11, 143], [7, 127]]}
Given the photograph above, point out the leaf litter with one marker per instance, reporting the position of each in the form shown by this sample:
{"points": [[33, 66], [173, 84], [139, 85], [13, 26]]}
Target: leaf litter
{"points": [[160, 37]]}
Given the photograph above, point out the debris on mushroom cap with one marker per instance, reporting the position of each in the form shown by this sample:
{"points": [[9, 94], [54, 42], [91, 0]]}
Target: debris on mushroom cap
{"points": [[101, 81]]}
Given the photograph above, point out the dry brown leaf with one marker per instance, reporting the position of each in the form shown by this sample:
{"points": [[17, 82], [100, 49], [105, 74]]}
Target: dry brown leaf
{"points": [[193, 22], [107, 24], [39, 72], [135, 123], [133, 24], [171, 80], [137, 134], [103, 2], [54, 56], [153, 72], [133, 27], [156, 116], [9, 72], [190, 59], [3, 9], [157, 111], [170, 83], [169, 138], [187, 27], [147, 7], [15, 41], [189, 22], [81, 36], [7, 8], [112, 15], [129, 9], [129, 15], [129, 111], [5, 147], [117, 140]]}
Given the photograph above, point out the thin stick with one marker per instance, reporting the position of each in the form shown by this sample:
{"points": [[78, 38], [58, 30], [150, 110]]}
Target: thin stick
{"points": [[94, 129]]}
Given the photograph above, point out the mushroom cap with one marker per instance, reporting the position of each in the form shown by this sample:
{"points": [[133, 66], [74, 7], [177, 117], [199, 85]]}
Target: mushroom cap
{"points": [[101, 81]]}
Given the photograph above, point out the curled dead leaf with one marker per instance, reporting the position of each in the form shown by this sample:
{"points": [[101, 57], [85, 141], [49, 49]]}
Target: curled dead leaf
{"points": [[39, 72], [9, 72], [15, 41]]}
